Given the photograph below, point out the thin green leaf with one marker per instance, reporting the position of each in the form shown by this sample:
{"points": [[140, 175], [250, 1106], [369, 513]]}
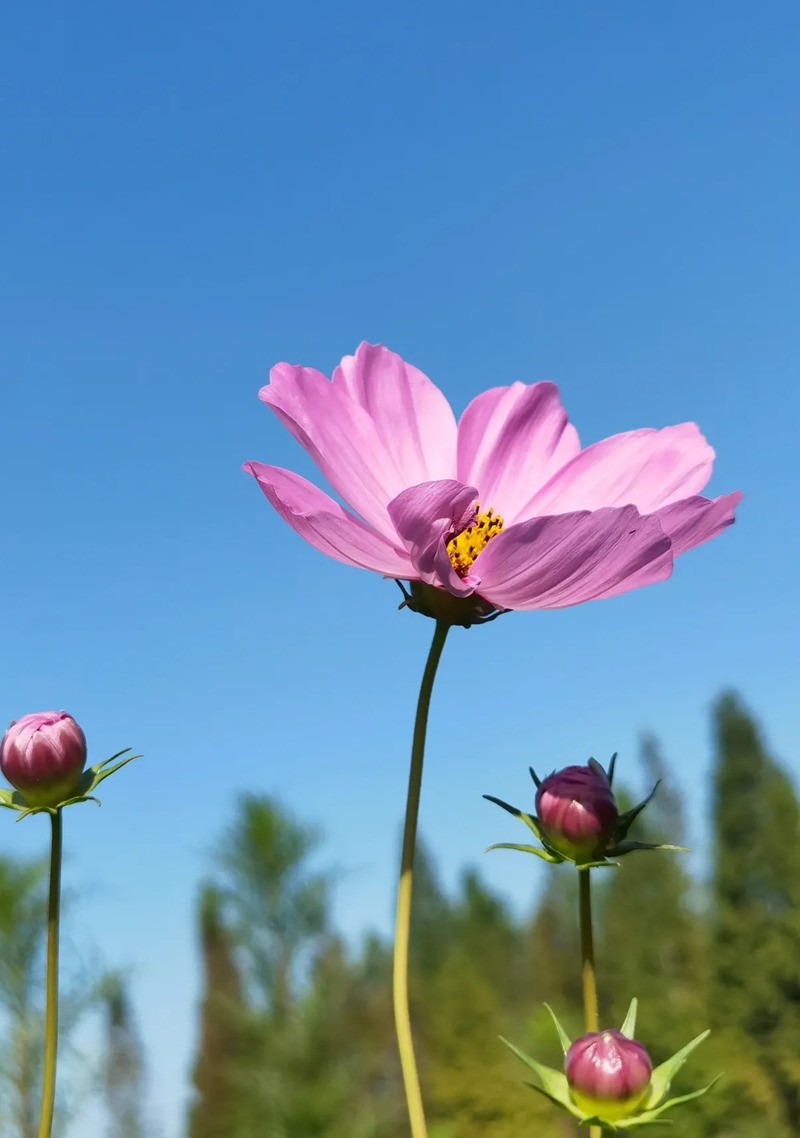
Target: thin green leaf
{"points": [[104, 774], [504, 805], [564, 1105], [622, 848], [611, 766], [665, 1073], [627, 819], [629, 1026], [531, 822], [641, 1120], [118, 755], [543, 854], [554, 1082], [679, 1099], [564, 1039]]}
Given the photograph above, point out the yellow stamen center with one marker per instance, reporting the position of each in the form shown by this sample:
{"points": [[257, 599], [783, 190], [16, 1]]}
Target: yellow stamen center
{"points": [[465, 546]]}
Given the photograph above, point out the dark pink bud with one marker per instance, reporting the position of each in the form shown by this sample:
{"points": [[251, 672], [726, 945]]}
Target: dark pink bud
{"points": [[577, 811], [608, 1074], [43, 755]]}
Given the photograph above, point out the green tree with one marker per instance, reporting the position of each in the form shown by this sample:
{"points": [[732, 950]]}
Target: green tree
{"points": [[124, 1063], [286, 1073], [224, 1054], [23, 912], [755, 981], [652, 938], [478, 991], [277, 906], [23, 929]]}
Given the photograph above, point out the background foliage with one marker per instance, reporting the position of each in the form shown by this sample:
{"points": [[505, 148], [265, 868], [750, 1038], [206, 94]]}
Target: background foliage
{"points": [[296, 1031]]}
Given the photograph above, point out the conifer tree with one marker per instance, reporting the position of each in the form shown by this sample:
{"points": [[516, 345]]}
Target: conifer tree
{"points": [[223, 1057], [652, 938], [124, 1074], [23, 930], [22, 922], [474, 996], [755, 982]]}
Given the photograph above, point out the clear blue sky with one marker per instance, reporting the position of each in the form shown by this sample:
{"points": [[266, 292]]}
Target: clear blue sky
{"points": [[604, 195]]}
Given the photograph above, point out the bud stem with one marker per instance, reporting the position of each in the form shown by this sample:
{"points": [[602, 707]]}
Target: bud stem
{"points": [[591, 1017], [51, 1007], [402, 1019]]}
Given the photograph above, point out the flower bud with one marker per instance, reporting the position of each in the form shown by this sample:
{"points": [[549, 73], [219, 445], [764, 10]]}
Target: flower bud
{"points": [[608, 1074], [43, 755], [577, 811]]}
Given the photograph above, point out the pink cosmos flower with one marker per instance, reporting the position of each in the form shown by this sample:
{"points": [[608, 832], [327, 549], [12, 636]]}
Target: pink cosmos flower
{"points": [[503, 504]]}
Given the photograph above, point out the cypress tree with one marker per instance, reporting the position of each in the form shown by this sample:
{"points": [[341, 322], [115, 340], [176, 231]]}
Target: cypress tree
{"points": [[124, 1074], [651, 938], [223, 1051], [756, 936]]}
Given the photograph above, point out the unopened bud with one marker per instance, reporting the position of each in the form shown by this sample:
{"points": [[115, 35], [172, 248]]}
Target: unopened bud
{"points": [[43, 755], [608, 1074], [577, 811]]}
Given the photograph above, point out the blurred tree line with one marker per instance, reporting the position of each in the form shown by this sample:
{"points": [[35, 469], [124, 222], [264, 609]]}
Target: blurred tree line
{"points": [[295, 1031], [115, 1076]]}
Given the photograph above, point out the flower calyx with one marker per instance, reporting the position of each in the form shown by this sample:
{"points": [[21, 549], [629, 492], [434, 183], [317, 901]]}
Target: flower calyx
{"points": [[445, 607], [83, 792]]}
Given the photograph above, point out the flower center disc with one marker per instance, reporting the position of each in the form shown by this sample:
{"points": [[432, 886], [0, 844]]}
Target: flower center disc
{"points": [[465, 546]]}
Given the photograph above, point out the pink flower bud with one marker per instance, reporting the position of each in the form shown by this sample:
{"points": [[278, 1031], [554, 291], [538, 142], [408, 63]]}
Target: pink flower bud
{"points": [[608, 1074], [577, 812], [43, 755]]}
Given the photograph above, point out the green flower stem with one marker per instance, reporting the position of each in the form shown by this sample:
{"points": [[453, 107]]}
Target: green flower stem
{"points": [[402, 1019], [591, 1017], [51, 1007]]}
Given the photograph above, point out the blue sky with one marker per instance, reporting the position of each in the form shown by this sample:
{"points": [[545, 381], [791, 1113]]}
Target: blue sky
{"points": [[604, 195]]}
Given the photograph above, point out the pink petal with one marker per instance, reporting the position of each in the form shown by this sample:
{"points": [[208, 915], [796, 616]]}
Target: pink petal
{"points": [[412, 419], [565, 559], [511, 440], [325, 525], [692, 521], [425, 518], [645, 468], [340, 437]]}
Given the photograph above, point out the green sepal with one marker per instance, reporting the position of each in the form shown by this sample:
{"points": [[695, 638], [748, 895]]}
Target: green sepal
{"points": [[529, 820], [563, 1038], [556, 1101], [611, 767], [89, 781], [628, 847], [604, 864], [553, 1083], [664, 1074], [629, 1024], [627, 819], [544, 854], [651, 1117]]}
